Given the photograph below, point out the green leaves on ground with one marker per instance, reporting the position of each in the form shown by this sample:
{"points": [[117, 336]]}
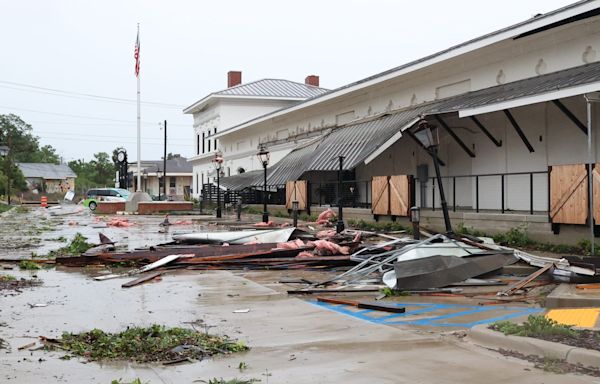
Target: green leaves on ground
{"points": [[29, 265], [76, 247], [152, 344], [535, 326]]}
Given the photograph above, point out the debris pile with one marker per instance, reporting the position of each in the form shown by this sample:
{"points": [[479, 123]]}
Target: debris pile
{"points": [[153, 344]]}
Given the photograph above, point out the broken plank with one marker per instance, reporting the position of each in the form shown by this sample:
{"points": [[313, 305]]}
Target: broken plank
{"points": [[522, 283], [141, 280], [313, 291], [588, 286], [26, 346], [363, 305]]}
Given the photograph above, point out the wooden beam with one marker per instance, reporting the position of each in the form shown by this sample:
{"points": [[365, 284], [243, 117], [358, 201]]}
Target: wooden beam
{"points": [[518, 129], [454, 136], [483, 129], [412, 135], [571, 116]]}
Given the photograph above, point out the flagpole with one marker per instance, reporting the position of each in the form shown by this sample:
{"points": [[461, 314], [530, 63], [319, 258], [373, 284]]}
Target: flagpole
{"points": [[139, 142]]}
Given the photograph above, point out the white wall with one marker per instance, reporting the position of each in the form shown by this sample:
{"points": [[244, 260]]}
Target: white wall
{"points": [[560, 48]]}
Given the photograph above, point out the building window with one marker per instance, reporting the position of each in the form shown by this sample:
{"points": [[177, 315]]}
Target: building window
{"points": [[197, 190], [215, 140], [172, 182], [203, 142], [208, 144], [197, 144]]}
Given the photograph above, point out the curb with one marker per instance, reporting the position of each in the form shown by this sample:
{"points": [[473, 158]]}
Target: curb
{"points": [[482, 335]]}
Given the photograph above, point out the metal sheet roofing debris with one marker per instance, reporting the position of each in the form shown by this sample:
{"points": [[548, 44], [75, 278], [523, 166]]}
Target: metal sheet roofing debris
{"points": [[357, 140], [46, 171]]}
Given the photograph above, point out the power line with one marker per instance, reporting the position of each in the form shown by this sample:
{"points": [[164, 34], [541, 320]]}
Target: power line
{"points": [[119, 141], [82, 116], [79, 134], [85, 96]]}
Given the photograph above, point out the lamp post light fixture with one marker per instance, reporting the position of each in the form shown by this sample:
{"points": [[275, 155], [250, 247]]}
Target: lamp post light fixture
{"points": [[218, 160], [428, 135], [263, 157]]}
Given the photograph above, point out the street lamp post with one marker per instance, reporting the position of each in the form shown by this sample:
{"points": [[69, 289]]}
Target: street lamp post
{"points": [[340, 223], [428, 135], [158, 176], [4, 151], [218, 160], [263, 157]]}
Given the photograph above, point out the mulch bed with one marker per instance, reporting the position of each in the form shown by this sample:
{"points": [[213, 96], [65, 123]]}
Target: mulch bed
{"points": [[582, 339], [553, 365]]}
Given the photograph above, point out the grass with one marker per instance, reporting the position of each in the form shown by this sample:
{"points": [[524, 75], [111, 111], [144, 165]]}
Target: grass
{"points": [[517, 237], [120, 381], [152, 344], [388, 226], [76, 247], [535, 326], [7, 278], [389, 292], [29, 265], [4, 207]]}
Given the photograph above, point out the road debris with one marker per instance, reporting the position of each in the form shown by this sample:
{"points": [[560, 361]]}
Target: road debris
{"points": [[153, 344]]}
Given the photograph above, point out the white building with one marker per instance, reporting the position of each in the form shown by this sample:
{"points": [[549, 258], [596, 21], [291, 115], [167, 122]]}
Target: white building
{"points": [[509, 104], [237, 104]]}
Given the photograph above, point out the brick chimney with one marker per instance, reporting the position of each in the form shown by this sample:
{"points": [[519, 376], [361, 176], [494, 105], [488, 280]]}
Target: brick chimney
{"points": [[234, 78], [312, 80]]}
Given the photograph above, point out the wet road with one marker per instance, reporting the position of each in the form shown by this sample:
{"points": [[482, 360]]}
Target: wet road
{"points": [[292, 341], [24, 231]]}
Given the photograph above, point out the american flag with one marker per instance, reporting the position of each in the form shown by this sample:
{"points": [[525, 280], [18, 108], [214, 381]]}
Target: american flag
{"points": [[136, 55]]}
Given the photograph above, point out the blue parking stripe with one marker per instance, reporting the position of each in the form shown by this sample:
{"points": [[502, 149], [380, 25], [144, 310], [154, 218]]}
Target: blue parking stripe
{"points": [[437, 321]]}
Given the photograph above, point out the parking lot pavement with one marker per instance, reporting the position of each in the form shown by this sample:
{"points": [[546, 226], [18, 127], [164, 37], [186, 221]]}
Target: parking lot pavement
{"points": [[291, 340]]}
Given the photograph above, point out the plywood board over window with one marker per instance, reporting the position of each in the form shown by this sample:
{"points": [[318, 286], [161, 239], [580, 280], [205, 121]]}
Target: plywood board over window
{"points": [[380, 190], [568, 194], [296, 190], [400, 198]]}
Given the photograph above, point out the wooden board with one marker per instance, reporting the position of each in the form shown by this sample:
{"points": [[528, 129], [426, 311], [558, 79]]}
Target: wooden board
{"points": [[296, 190], [290, 190], [400, 195], [380, 191], [568, 194], [596, 191]]}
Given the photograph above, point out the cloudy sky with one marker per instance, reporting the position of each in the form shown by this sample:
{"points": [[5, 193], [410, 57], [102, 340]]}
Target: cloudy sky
{"points": [[58, 56]]}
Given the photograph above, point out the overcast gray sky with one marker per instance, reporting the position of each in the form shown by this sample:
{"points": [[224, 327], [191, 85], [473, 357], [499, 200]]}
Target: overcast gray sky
{"points": [[187, 47]]}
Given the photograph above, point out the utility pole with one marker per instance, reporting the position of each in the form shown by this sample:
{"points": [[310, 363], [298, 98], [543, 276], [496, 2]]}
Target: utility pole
{"points": [[8, 166], [165, 165]]}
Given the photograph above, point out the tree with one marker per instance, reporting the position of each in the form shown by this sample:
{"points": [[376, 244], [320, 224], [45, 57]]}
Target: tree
{"points": [[25, 147]]}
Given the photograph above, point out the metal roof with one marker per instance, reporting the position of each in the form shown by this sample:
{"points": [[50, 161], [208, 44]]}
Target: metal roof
{"points": [[357, 140], [242, 180], [273, 88], [46, 171], [265, 88], [174, 165]]}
